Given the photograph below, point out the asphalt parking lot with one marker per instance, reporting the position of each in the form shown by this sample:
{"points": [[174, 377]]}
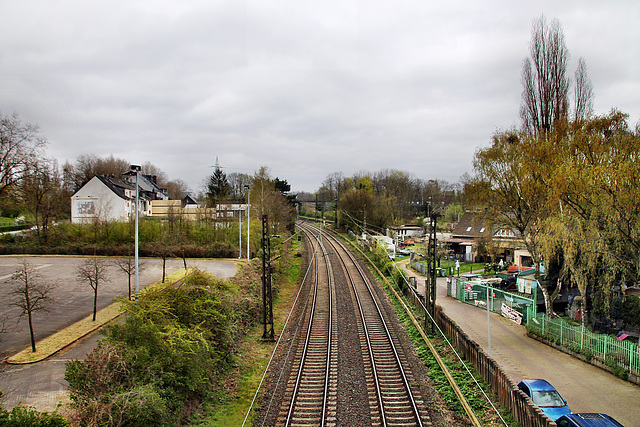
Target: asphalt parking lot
{"points": [[42, 384], [73, 297]]}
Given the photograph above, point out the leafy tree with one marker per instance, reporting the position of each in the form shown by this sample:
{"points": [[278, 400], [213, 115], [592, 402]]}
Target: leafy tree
{"points": [[27, 416], [508, 185], [570, 191], [30, 295], [266, 199], [168, 356], [94, 271]]}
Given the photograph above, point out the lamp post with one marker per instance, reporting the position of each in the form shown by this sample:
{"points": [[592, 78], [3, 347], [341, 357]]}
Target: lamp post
{"points": [[240, 234], [135, 170], [248, 188]]}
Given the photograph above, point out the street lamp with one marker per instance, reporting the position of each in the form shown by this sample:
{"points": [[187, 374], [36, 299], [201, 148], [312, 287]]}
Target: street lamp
{"points": [[135, 170], [240, 234], [248, 188]]}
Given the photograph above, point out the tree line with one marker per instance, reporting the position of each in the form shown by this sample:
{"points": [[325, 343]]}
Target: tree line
{"points": [[377, 200]]}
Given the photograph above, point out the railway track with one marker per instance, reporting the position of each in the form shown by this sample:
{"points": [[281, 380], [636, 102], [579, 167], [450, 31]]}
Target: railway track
{"points": [[316, 379], [311, 394]]}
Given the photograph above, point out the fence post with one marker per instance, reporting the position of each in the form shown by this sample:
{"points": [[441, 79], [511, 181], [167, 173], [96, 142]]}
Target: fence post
{"points": [[604, 356], [561, 322], [581, 336]]}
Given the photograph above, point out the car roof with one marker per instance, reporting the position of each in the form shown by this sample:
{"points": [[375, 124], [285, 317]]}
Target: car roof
{"points": [[538, 384], [592, 419]]}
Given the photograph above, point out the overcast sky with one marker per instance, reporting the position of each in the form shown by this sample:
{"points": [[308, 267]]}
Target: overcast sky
{"points": [[304, 87]]}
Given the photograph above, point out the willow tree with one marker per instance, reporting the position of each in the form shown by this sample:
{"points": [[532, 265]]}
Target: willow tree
{"points": [[594, 183], [508, 183]]}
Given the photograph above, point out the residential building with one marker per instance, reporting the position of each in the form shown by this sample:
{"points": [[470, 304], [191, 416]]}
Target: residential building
{"points": [[106, 198], [403, 233], [474, 239]]}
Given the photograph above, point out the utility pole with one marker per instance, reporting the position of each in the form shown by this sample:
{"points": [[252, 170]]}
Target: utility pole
{"points": [[430, 288], [267, 302], [248, 188]]}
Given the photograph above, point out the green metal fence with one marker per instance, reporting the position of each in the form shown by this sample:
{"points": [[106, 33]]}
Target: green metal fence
{"points": [[605, 348], [519, 307]]}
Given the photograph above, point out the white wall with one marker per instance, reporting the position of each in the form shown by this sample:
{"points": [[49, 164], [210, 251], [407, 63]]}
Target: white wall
{"points": [[96, 201]]}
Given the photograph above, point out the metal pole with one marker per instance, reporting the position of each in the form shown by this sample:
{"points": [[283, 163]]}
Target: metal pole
{"points": [[488, 320], [136, 238], [267, 303], [240, 234], [248, 220]]}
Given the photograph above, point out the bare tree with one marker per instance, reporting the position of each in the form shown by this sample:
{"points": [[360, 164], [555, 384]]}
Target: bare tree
{"points": [[545, 96], [128, 266], [19, 145], [42, 194], [332, 183], [30, 295], [177, 189], [149, 168], [94, 271], [237, 181], [583, 92], [3, 324], [88, 166]]}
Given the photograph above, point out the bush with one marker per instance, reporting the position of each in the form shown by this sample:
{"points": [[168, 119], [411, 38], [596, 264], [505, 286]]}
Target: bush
{"points": [[172, 350], [26, 416]]}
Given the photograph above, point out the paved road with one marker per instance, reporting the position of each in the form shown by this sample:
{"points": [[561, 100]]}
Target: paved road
{"points": [[585, 387], [42, 384]]}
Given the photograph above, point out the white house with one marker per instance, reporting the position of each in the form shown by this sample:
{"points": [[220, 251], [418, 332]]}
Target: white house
{"points": [[107, 198], [400, 233]]}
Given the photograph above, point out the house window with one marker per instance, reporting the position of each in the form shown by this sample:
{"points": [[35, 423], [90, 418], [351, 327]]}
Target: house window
{"points": [[469, 229], [482, 230]]}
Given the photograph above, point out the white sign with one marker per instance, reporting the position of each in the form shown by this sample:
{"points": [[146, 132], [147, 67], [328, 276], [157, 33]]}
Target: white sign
{"points": [[511, 314]]}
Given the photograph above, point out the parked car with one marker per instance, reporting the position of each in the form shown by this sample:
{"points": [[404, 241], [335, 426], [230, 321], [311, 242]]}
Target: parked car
{"points": [[545, 397], [587, 419]]}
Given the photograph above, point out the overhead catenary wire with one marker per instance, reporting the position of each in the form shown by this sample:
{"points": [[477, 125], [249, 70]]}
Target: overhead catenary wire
{"points": [[427, 341]]}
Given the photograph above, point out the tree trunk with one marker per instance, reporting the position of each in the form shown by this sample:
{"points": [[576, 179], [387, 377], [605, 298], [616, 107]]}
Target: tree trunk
{"points": [[95, 302], [33, 338]]}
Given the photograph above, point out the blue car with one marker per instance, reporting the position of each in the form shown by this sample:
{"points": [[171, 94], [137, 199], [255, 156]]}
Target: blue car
{"points": [[587, 420], [545, 397]]}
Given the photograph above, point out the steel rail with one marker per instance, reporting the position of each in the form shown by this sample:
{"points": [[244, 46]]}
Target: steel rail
{"points": [[317, 245], [333, 242], [452, 382]]}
